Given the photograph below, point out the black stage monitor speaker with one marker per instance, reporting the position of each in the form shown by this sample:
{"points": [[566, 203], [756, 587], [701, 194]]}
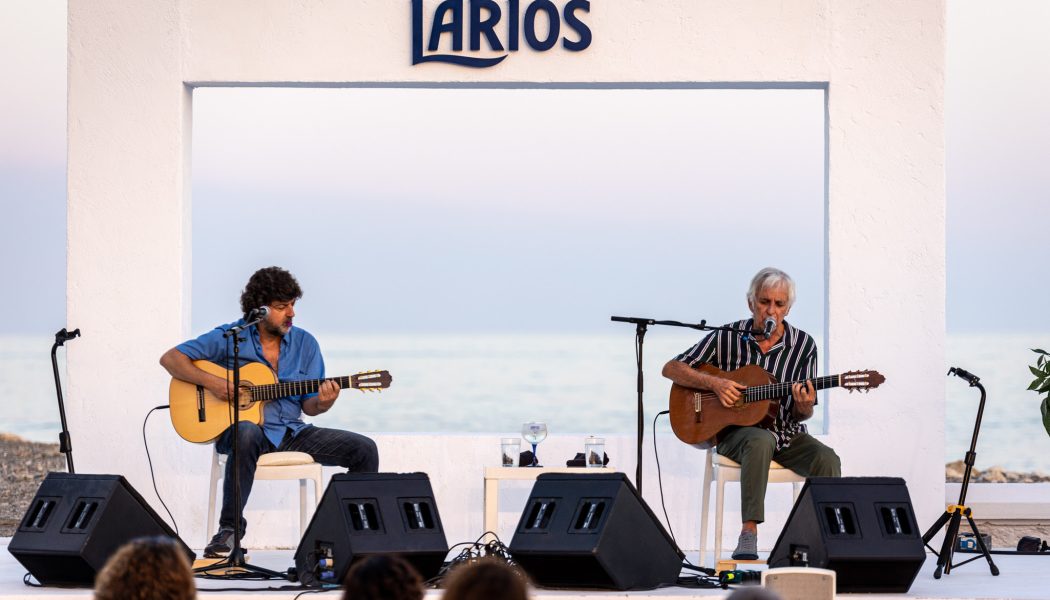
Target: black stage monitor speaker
{"points": [[863, 528], [76, 522], [362, 514], [593, 531]]}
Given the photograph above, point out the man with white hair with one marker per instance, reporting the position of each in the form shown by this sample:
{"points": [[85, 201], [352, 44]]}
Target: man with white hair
{"points": [[787, 353]]}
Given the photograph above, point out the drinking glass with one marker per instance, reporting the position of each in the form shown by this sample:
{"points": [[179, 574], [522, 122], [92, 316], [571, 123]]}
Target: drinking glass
{"points": [[511, 448], [534, 433], [594, 451]]}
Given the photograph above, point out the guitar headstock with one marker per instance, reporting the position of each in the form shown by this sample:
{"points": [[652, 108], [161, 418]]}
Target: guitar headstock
{"points": [[372, 381], [861, 380]]}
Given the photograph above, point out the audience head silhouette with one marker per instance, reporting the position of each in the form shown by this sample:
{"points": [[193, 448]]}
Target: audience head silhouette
{"points": [[486, 579], [148, 568], [383, 577]]}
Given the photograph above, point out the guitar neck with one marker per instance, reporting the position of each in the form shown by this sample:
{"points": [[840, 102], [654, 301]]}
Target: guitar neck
{"points": [[779, 390], [296, 388]]}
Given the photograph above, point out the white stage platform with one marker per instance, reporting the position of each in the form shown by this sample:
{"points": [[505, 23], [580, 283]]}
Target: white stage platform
{"points": [[1021, 578]]}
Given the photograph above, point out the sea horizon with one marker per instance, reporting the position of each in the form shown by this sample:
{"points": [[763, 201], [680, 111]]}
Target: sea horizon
{"points": [[577, 383]]}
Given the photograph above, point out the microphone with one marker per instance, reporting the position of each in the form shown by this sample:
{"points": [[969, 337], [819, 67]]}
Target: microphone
{"points": [[254, 316], [257, 314], [770, 325]]}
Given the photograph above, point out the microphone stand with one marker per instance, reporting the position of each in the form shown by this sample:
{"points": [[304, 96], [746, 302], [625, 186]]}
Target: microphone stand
{"points": [[65, 445], [955, 512], [235, 560], [641, 326]]}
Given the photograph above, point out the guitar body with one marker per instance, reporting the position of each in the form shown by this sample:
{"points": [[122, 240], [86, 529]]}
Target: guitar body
{"points": [[199, 417], [697, 416]]}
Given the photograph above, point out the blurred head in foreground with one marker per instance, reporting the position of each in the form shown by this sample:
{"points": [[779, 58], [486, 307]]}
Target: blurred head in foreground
{"points": [[486, 579], [383, 577], [148, 568]]}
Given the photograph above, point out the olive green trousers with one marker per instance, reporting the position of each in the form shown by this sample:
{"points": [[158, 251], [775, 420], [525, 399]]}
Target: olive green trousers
{"points": [[754, 448]]}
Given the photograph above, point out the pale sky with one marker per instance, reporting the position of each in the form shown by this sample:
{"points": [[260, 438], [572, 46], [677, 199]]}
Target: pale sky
{"points": [[514, 227], [434, 210]]}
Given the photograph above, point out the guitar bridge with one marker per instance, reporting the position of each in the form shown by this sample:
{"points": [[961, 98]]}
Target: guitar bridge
{"points": [[202, 415], [697, 407]]}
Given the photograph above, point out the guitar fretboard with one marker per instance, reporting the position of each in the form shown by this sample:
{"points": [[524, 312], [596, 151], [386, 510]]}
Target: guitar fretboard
{"points": [[282, 389], [779, 390]]}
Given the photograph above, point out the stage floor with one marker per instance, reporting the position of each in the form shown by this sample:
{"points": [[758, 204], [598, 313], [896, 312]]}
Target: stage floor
{"points": [[1021, 578]]}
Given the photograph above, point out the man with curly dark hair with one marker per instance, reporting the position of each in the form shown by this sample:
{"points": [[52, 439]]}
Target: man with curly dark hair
{"points": [[294, 355]]}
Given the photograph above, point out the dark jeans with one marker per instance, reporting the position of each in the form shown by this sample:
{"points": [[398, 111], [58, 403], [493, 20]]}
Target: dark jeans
{"points": [[332, 447], [754, 448]]}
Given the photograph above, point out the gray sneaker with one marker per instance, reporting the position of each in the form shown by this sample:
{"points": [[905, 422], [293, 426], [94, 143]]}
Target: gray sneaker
{"points": [[220, 545], [746, 546]]}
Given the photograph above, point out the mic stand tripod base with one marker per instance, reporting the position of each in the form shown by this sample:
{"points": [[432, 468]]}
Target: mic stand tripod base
{"points": [[234, 566]]}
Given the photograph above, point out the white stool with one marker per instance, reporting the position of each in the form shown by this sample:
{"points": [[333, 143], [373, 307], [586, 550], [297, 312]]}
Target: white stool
{"points": [[272, 466], [722, 469]]}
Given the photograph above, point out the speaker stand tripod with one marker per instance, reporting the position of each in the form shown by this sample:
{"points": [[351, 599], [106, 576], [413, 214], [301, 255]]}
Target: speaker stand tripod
{"points": [[953, 516]]}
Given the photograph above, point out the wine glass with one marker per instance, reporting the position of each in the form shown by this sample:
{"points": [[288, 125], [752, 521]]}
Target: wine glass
{"points": [[534, 433]]}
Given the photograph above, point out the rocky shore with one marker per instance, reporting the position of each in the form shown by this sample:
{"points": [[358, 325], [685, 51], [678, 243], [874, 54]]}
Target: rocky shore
{"points": [[24, 464], [953, 473]]}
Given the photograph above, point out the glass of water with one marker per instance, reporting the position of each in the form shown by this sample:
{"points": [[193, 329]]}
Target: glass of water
{"points": [[534, 433], [594, 451]]}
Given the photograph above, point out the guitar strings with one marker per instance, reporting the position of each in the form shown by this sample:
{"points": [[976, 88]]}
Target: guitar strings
{"points": [[776, 390]]}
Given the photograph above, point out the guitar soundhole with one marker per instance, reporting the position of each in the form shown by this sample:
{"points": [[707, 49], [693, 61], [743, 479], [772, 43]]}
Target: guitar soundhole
{"points": [[245, 397]]}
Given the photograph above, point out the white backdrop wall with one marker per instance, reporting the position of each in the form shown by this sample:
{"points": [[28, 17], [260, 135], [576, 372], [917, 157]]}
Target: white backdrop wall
{"points": [[132, 69]]}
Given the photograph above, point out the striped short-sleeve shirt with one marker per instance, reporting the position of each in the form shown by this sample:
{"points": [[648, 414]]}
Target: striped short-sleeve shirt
{"points": [[793, 358]]}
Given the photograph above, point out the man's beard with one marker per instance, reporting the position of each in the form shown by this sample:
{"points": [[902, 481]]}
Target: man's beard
{"points": [[272, 329]]}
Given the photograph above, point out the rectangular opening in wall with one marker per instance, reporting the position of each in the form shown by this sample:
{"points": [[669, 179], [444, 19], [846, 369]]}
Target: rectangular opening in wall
{"points": [[476, 241]]}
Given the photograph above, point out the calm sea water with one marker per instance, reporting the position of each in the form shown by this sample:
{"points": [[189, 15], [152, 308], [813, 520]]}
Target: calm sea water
{"points": [[576, 383]]}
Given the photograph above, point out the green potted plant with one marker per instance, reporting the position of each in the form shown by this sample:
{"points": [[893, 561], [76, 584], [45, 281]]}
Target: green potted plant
{"points": [[1041, 385]]}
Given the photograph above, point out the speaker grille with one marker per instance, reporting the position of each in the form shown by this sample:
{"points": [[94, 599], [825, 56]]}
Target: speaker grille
{"points": [[589, 516], [80, 519], [38, 514], [364, 516]]}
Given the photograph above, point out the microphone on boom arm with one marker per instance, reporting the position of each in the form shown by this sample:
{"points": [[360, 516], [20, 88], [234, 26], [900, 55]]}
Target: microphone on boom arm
{"points": [[770, 325], [257, 314]]}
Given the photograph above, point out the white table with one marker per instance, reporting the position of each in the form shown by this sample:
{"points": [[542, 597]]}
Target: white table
{"points": [[494, 475]]}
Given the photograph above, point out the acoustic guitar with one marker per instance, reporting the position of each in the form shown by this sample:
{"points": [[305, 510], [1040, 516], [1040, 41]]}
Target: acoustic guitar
{"points": [[698, 417], [199, 417]]}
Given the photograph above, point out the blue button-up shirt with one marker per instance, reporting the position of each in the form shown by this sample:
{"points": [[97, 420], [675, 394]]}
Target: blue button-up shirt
{"points": [[299, 359]]}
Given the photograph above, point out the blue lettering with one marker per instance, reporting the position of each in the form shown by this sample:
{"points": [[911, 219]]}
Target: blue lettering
{"points": [[455, 27], [574, 23], [512, 23], [553, 30], [483, 21], [487, 27]]}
